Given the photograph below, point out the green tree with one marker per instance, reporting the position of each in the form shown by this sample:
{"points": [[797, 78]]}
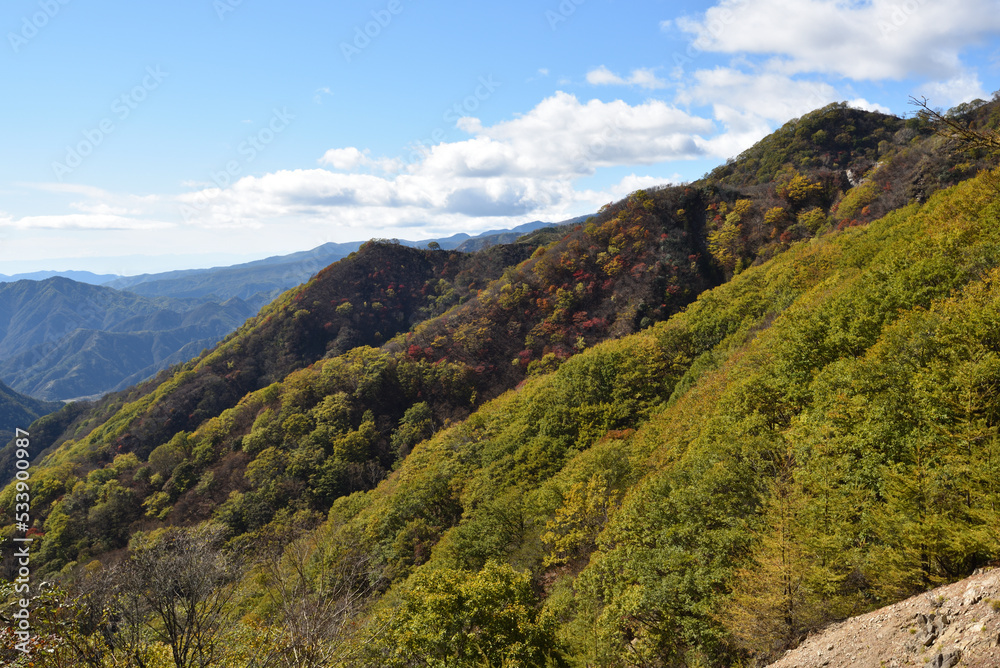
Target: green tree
{"points": [[447, 617]]}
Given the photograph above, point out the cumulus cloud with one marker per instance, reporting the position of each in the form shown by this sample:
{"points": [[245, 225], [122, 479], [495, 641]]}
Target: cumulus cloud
{"points": [[964, 87], [562, 136], [632, 182], [642, 77], [876, 40], [344, 158], [769, 95], [525, 165], [862, 103]]}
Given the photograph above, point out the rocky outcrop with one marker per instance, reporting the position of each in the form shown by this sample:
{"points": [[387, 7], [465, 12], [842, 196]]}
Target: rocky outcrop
{"points": [[957, 625]]}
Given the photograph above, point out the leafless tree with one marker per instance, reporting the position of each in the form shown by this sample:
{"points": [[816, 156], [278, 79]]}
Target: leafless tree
{"points": [[183, 584], [953, 128], [316, 598]]}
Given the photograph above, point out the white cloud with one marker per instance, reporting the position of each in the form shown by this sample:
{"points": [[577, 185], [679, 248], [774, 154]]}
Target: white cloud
{"points": [[880, 39], [632, 182], [562, 137], [517, 167], [83, 221], [769, 95], [642, 77], [962, 88], [743, 130], [104, 208], [602, 76], [862, 103], [344, 158]]}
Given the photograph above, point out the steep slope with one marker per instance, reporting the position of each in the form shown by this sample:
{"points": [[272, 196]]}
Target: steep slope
{"points": [[364, 299], [954, 625], [835, 167], [637, 263], [228, 417], [816, 438]]}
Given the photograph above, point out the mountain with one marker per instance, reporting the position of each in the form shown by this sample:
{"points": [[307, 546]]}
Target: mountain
{"points": [[691, 430], [255, 282], [78, 276], [60, 339], [64, 342], [814, 439], [495, 237], [19, 411], [88, 362], [261, 281]]}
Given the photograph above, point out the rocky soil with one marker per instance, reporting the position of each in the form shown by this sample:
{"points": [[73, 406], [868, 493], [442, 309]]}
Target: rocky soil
{"points": [[955, 625]]}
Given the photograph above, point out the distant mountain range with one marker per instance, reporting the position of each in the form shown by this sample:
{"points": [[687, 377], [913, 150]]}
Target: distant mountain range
{"points": [[79, 276], [62, 339], [259, 282], [72, 335]]}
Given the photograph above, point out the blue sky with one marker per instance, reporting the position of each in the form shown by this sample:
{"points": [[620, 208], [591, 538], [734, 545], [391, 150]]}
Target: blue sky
{"points": [[144, 136]]}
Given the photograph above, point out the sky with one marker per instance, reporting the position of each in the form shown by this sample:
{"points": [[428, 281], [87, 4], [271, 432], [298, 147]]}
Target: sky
{"points": [[149, 136]]}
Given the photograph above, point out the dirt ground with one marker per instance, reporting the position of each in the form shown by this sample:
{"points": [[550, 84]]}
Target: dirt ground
{"points": [[954, 625]]}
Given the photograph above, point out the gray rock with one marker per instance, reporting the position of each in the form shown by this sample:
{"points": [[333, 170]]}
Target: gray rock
{"points": [[947, 658]]}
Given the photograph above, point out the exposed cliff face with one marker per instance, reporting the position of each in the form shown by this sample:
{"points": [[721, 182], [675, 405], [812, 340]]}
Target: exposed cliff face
{"points": [[955, 625]]}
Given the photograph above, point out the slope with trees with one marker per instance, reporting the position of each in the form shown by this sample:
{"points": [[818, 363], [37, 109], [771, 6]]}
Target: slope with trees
{"points": [[814, 438]]}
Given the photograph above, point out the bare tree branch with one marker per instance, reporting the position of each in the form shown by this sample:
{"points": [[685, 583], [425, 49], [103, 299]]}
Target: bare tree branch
{"points": [[952, 128]]}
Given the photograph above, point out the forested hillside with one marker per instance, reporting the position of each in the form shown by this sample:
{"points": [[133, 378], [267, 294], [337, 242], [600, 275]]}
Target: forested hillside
{"points": [[62, 340], [688, 432], [17, 410]]}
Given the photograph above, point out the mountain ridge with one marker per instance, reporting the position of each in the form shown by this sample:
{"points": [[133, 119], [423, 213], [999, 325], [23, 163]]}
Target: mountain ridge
{"points": [[689, 431]]}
